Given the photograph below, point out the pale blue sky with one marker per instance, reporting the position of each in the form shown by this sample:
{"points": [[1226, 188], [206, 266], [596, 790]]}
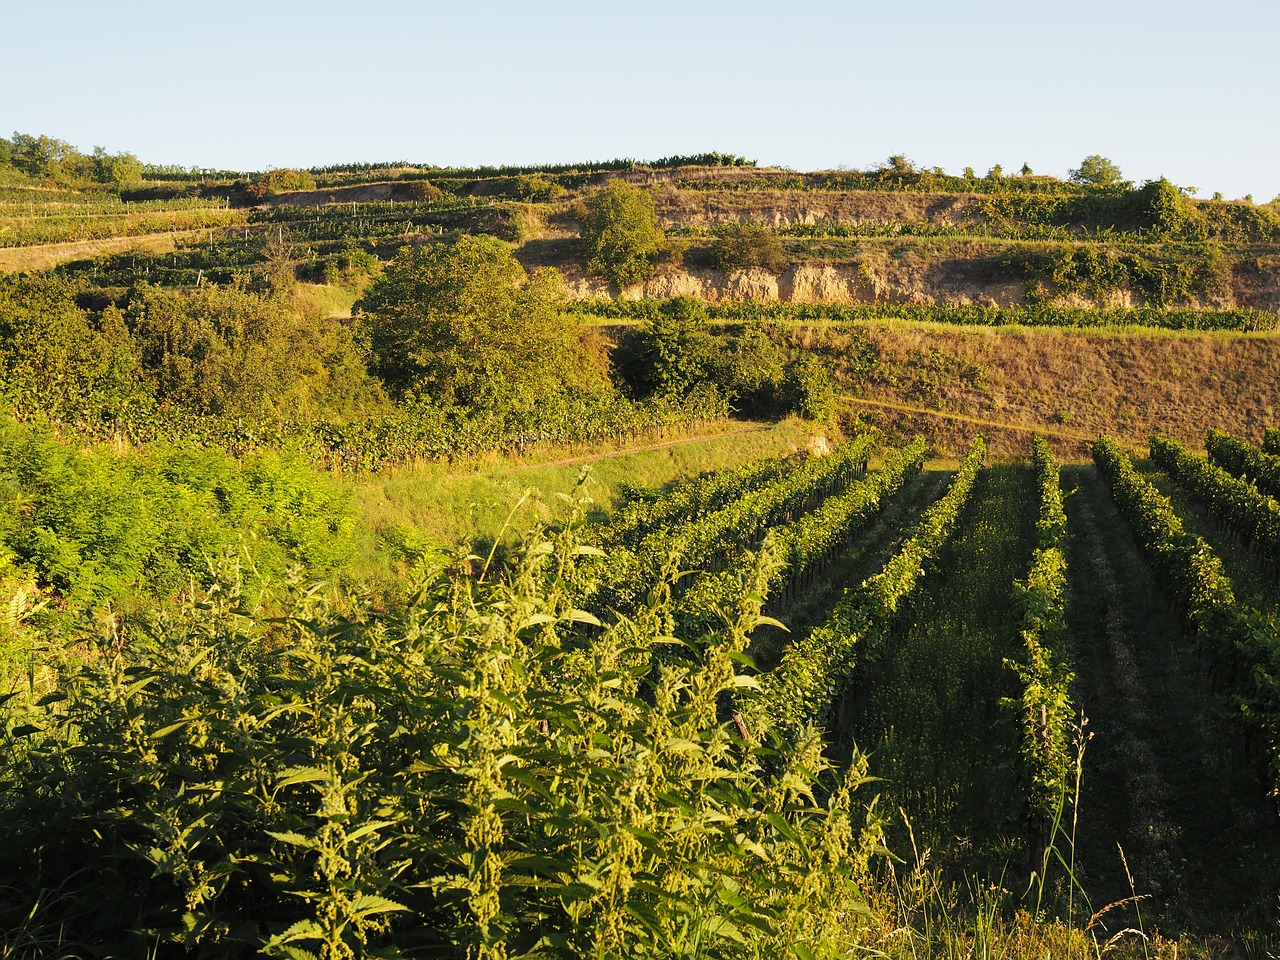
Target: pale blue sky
{"points": [[1186, 90]]}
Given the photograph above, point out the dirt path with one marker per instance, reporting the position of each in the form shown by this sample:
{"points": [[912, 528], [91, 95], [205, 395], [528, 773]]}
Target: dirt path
{"points": [[1164, 776]]}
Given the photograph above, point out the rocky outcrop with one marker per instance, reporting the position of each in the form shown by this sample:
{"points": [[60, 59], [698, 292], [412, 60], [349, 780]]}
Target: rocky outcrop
{"points": [[836, 283]]}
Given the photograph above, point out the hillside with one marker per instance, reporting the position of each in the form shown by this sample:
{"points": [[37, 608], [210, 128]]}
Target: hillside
{"points": [[810, 565]]}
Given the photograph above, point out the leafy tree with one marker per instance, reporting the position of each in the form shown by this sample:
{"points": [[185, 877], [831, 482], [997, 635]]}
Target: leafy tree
{"points": [[898, 163], [120, 169], [671, 355], [54, 356], [231, 352], [39, 155], [1025, 170], [752, 369], [463, 323], [622, 233], [810, 388], [1097, 171], [742, 245], [1163, 205]]}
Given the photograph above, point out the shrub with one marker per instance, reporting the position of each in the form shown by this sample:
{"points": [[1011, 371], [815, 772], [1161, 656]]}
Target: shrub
{"points": [[809, 388], [740, 246], [621, 233], [274, 182]]}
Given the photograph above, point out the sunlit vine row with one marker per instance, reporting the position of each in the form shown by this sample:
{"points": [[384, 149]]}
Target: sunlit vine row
{"points": [[1231, 501], [1241, 645], [807, 546], [815, 670], [1045, 705]]}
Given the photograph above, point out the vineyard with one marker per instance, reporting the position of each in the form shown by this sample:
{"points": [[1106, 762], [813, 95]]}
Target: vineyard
{"points": [[671, 559], [599, 739]]}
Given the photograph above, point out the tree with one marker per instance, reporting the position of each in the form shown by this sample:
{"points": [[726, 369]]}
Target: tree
{"points": [[622, 233], [463, 323], [52, 354], [1163, 206], [673, 354], [742, 245], [1096, 171], [228, 352], [810, 388], [120, 169]]}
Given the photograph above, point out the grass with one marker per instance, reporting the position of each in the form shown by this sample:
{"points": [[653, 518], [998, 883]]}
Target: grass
{"points": [[929, 710], [1084, 383], [46, 256], [1165, 778], [438, 506], [325, 301]]}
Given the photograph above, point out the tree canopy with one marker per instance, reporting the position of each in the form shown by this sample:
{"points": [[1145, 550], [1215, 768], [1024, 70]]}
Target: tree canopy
{"points": [[1097, 171], [622, 233], [462, 323]]}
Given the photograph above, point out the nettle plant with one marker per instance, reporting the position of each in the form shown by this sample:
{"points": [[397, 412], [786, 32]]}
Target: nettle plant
{"points": [[490, 772]]}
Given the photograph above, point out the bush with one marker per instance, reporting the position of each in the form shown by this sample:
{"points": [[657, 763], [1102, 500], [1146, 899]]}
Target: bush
{"points": [[281, 181], [740, 246], [810, 388], [537, 188], [672, 354], [621, 233]]}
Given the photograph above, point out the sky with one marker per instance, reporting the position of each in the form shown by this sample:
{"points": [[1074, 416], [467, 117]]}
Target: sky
{"points": [[1174, 88]]}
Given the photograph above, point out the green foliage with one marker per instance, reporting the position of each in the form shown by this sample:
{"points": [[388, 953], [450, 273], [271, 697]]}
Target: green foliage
{"points": [[740, 246], [673, 354], [690, 499], [40, 155], [1165, 206], [809, 388], [275, 182], [538, 188], [676, 353], [1038, 314], [462, 323], [1102, 273], [1245, 460], [1044, 706], [621, 233], [1096, 171], [710, 540], [808, 544], [55, 358], [1241, 645], [1272, 442], [97, 527], [225, 352], [119, 170], [1188, 568], [1234, 502], [816, 669], [474, 777]]}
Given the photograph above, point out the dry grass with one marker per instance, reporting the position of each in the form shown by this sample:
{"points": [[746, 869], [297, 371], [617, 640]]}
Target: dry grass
{"points": [[1072, 385], [48, 255]]}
